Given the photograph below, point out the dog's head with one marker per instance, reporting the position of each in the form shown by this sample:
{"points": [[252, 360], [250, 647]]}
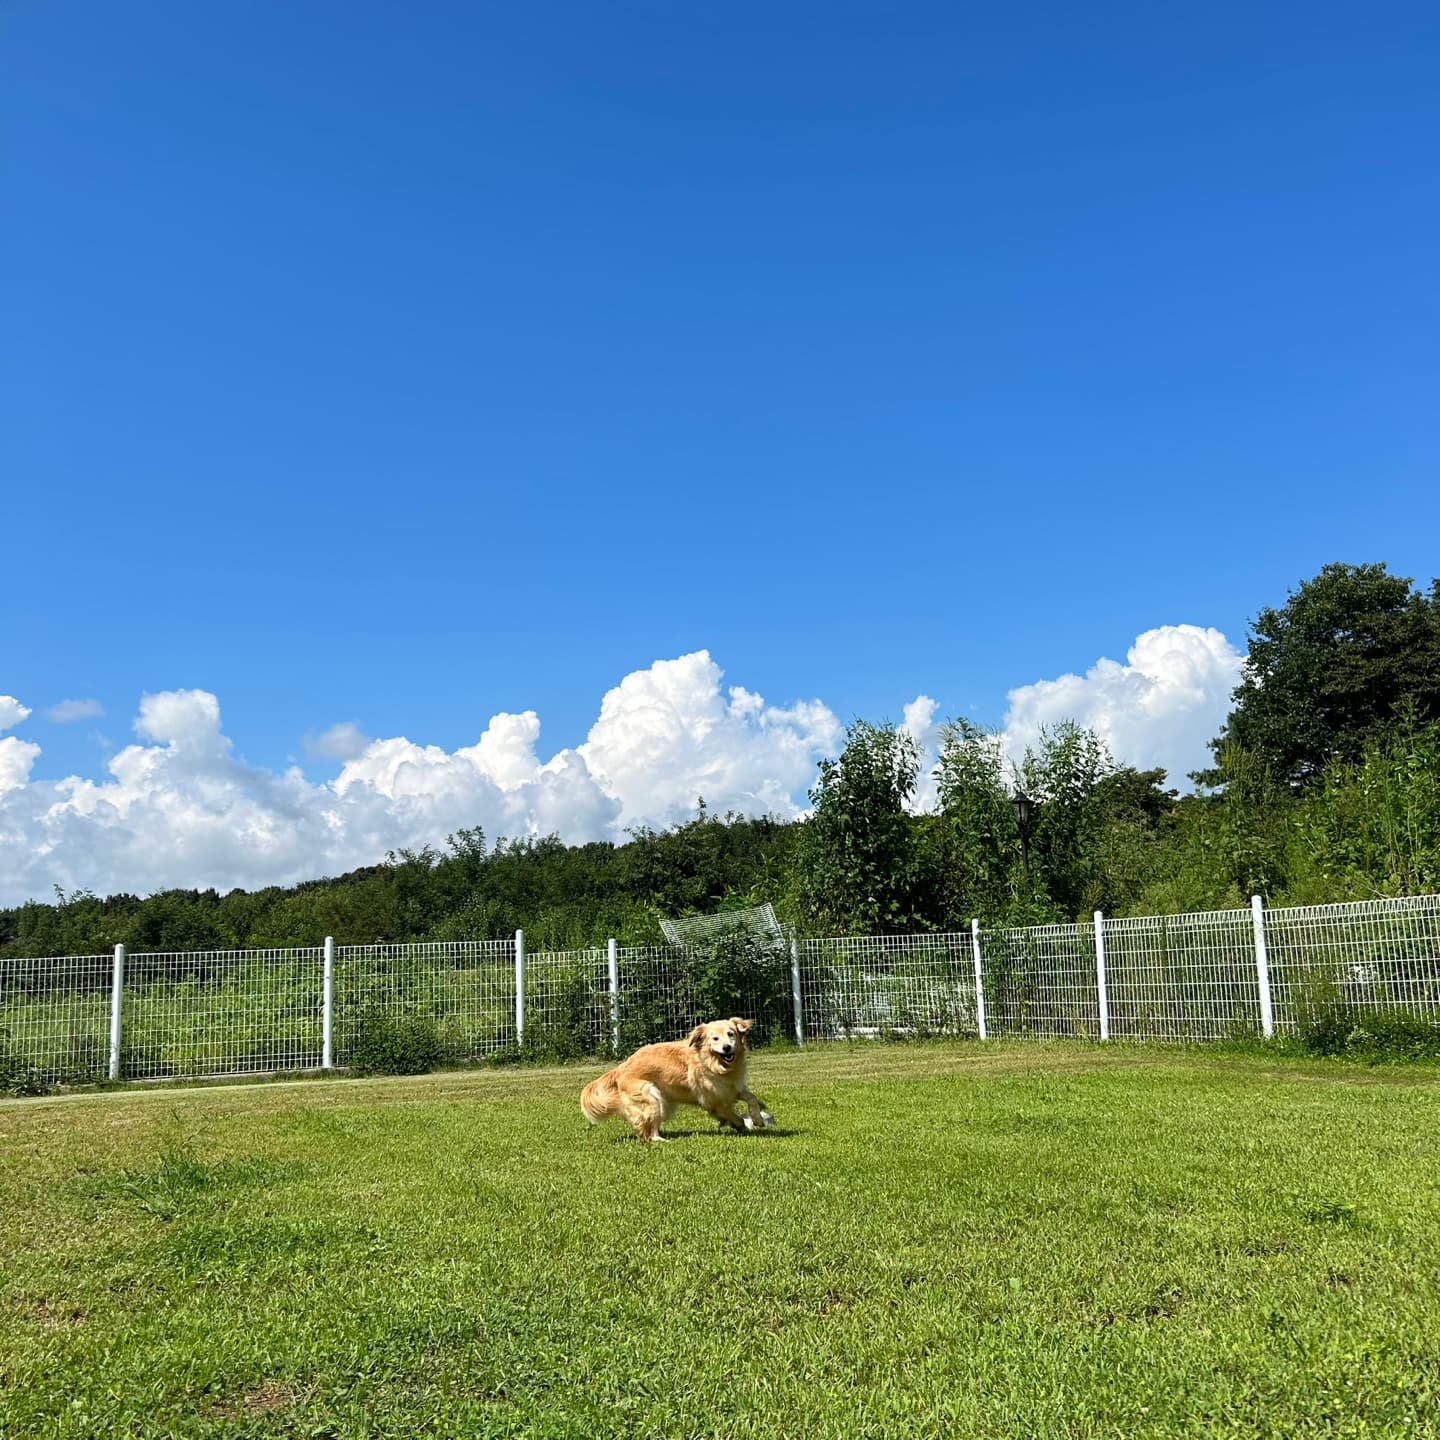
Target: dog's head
{"points": [[722, 1040]]}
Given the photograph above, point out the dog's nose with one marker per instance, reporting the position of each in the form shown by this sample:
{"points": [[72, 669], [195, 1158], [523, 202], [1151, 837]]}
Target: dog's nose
{"points": [[727, 1049]]}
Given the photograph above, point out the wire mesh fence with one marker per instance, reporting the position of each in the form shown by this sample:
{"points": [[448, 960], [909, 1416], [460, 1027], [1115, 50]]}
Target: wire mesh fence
{"points": [[666, 990], [220, 1012], [1040, 981], [465, 988], [1182, 977], [55, 1020], [567, 1004], [873, 985], [1204, 976], [1377, 956]]}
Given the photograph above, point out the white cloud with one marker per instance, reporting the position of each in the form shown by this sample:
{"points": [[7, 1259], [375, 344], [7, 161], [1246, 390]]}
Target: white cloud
{"points": [[922, 727], [16, 758], [1160, 708], [666, 736], [69, 711], [340, 742], [179, 809], [12, 712]]}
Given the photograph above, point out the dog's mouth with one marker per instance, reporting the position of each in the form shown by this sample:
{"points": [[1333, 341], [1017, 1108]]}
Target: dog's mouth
{"points": [[726, 1060]]}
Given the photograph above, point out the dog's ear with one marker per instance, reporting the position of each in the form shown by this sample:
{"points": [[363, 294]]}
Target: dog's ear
{"points": [[743, 1026], [697, 1037]]}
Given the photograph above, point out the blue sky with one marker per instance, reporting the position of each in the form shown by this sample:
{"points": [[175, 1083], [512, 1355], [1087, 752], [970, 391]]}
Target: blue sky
{"points": [[407, 365]]}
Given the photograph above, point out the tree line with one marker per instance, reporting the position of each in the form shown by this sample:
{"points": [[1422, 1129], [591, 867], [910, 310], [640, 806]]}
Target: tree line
{"points": [[1324, 785]]}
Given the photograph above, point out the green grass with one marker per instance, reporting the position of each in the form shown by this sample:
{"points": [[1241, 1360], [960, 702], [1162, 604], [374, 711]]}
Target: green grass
{"points": [[1030, 1240]]}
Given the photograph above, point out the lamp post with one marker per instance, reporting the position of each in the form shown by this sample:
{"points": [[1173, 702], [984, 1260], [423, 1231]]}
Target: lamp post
{"points": [[1024, 809]]}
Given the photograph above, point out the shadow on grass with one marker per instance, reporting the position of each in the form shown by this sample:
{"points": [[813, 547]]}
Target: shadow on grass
{"points": [[774, 1132]]}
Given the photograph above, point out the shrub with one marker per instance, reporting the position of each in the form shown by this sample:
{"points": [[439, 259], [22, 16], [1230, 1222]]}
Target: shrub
{"points": [[395, 1044], [1394, 1035], [1327, 1023], [739, 973], [568, 1031], [1323, 1016], [86, 1060], [17, 1075]]}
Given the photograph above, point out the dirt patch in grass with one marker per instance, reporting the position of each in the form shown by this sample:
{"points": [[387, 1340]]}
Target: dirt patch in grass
{"points": [[51, 1315], [269, 1397]]}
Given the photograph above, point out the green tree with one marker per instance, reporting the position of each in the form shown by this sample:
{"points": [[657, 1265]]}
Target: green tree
{"points": [[1095, 822], [981, 844], [857, 863], [1371, 828], [1329, 669]]}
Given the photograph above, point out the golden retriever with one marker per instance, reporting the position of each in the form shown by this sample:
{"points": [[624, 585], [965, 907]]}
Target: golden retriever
{"points": [[707, 1069]]}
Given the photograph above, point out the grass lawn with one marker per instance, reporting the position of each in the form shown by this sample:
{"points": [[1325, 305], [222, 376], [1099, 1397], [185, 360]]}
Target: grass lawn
{"points": [[1017, 1239]]}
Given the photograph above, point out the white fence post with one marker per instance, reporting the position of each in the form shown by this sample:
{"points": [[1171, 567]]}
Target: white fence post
{"points": [[1262, 967], [795, 989], [117, 999], [614, 958], [327, 1008], [1100, 989], [979, 980], [519, 987]]}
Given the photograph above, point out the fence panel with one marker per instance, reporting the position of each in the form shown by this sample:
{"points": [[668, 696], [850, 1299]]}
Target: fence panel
{"points": [[666, 990], [467, 987], [1182, 977], [1040, 981], [888, 984], [221, 1012], [55, 1019], [1374, 955], [658, 994], [567, 1003]]}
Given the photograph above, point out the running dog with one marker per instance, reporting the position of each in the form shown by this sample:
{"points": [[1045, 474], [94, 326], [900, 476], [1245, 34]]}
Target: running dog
{"points": [[707, 1069]]}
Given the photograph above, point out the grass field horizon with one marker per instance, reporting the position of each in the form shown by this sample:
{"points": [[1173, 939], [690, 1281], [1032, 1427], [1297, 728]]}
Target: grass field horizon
{"points": [[1044, 1239]]}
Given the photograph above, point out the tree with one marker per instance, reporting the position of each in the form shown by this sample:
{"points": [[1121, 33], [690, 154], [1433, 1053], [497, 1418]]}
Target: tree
{"points": [[857, 864], [1063, 774], [1329, 669], [982, 849]]}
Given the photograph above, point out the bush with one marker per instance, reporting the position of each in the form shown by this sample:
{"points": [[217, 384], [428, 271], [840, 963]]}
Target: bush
{"points": [[739, 973], [395, 1045], [1394, 1035], [569, 1030], [86, 1061], [18, 1076], [1323, 1017], [1327, 1023]]}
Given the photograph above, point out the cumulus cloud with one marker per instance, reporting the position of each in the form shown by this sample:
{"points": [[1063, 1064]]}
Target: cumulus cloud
{"points": [[340, 742], [922, 727], [178, 808], [67, 712], [16, 758], [667, 735], [1160, 708], [12, 712]]}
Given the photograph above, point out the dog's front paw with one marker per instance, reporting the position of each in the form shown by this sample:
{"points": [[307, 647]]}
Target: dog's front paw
{"points": [[767, 1119], [749, 1123]]}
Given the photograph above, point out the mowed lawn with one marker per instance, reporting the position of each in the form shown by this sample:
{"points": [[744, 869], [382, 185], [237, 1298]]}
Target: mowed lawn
{"points": [[1029, 1240]]}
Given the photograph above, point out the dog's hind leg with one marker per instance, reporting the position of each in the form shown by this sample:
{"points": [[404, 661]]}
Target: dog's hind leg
{"points": [[644, 1108], [758, 1115]]}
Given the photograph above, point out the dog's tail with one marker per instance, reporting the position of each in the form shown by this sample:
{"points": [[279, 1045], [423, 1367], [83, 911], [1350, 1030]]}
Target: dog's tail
{"points": [[600, 1098]]}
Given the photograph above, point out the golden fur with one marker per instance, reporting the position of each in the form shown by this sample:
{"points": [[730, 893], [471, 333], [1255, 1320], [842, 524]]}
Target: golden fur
{"points": [[707, 1069]]}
